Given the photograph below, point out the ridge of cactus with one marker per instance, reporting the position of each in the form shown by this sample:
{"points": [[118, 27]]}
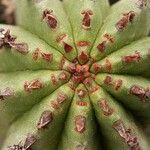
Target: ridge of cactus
{"points": [[74, 75]]}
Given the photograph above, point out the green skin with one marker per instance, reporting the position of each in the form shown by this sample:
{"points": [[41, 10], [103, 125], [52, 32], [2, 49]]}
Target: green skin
{"points": [[70, 136], [20, 113], [121, 67], [139, 106], [23, 100], [100, 10], [110, 135], [24, 125], [34, 12], [138, 28], [13, 61]]}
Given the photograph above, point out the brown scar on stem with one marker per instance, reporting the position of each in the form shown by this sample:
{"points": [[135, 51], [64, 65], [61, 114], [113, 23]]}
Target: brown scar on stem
{"points": [[8, 40], [80, 122], [115, 83], [84, 56], [49, 17], [108, 80], [72, 84], [93, 89], [118, 84], [26, 145], [81, 103], [142, 93], [29, 141], [48, 57], [81, 93], [6, 92], [62, 39], [81, 146], [83, 43], [45, 119], [108, 65], [129, 138], [21, 47], [102, 46], [141, 4], [125, 20], [16, 146], [107, 110], [36, 54], [30, 86], [61, 97], [79, 72], [53, 79], [63, 76], [68, 48], [136, 57], [54, 104], [108, 39], [86, 21], [88, 81], [62, 62], [97, 68]]}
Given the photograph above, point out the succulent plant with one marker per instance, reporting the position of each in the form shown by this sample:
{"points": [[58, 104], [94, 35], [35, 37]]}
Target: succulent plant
{"points": [[73, 75]]}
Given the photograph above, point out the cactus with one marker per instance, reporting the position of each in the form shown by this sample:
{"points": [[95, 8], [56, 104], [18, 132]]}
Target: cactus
{"points": [[74, 75]]}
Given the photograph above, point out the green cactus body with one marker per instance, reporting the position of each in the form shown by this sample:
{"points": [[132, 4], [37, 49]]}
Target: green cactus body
{"points": [[74, 75]]}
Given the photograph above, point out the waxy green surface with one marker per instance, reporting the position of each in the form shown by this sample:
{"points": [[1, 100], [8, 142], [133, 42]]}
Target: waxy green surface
{"points": [[84, 79]]}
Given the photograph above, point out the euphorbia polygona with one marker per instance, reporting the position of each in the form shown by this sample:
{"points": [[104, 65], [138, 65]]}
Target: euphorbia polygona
{"points": [[72, 75]]}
